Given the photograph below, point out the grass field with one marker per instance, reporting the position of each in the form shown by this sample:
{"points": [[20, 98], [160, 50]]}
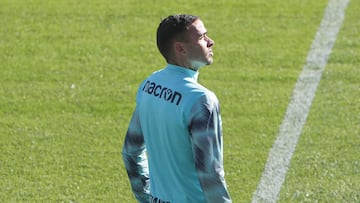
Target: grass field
{"points": [[69, 71]]}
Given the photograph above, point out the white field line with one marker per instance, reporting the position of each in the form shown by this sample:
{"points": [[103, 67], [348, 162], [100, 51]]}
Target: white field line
{"points": [[284, 146]]}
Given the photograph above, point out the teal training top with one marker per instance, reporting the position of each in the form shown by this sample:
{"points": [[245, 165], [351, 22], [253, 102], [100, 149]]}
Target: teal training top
{"points": [[173, 148]]}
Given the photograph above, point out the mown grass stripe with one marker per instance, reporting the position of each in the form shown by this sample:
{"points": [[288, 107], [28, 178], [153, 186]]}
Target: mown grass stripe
{"points": [[298, 109]]}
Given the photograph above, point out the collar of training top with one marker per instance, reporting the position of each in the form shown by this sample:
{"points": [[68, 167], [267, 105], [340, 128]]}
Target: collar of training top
{"points": [[191, 73]]}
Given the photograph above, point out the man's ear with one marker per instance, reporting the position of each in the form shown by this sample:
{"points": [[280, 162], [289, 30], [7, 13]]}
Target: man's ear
{"points": [[179, 47]]}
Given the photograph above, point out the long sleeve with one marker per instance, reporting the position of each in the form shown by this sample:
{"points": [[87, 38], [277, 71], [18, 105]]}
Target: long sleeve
{"points": [[206, 134], [135, 160]]}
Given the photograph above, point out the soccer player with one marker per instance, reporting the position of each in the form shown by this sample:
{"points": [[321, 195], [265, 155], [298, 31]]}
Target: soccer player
{"points": [[173, 150]]}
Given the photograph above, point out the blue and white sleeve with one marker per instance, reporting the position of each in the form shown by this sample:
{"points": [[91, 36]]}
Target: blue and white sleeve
{"points": [[206, 134], [135, 160]]}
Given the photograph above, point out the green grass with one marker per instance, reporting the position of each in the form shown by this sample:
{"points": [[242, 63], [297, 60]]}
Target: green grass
{"points": [[326, 164], [69, 71]]}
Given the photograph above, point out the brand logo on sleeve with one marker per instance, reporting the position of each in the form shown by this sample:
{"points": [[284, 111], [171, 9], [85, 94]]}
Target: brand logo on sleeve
{"points": [[162, 92]]}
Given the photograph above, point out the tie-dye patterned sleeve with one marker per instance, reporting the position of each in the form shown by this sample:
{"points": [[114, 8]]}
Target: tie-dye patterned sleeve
{"points": [[135, 160], [206, 133]]}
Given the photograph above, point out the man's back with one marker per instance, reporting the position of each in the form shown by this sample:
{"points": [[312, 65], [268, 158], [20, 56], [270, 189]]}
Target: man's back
{"points": [[165, 101]]}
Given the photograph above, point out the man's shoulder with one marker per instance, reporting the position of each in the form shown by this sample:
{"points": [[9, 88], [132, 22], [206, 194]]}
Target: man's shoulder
{"points": [[201, 95], [203, 91]]}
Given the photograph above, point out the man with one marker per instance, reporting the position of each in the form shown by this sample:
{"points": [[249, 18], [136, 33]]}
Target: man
{"points": [[173, 150]]}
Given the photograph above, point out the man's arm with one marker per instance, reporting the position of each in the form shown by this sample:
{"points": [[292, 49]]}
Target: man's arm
{"points": [[206, 133], [135, 160]]}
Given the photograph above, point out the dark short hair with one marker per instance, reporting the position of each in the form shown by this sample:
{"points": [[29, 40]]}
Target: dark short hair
{"points": [[172, 28]]}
